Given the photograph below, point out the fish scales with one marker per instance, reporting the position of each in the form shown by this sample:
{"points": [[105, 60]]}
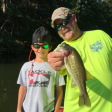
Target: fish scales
{"points": [[76, 70]]}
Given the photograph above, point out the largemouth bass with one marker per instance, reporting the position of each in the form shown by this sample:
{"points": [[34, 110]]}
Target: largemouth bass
{"points": [[74, 65]]}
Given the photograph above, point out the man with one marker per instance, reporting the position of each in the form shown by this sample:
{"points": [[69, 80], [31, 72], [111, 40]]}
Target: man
{"points": [[95, 49], [38, 81]]}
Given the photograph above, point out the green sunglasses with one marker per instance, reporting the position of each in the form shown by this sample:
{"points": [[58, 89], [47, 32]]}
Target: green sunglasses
{"points": [[37, 46], [63, 23]]}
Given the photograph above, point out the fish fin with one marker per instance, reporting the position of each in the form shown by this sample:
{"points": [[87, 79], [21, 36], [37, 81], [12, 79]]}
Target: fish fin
{"points": [[73, 84], [81, 101], [88, 76], [84, 101], [87, 101], [63, 67]]}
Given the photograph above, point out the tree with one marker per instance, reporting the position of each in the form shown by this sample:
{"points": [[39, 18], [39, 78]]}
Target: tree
{"points": [[22, 17]]}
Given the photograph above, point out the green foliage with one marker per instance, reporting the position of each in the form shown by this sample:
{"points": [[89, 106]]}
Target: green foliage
{"points": [[22, 17], [95, 15]]}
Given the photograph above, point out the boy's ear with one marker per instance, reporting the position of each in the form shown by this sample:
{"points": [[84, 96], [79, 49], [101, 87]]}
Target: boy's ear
{"points": [[50, 48], [32, 47]]}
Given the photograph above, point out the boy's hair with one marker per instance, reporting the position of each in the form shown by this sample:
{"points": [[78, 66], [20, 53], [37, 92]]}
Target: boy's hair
{"points": [[41, 35]]}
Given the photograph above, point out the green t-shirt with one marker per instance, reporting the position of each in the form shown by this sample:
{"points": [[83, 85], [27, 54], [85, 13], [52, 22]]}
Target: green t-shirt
{"points": [[95, 49]]}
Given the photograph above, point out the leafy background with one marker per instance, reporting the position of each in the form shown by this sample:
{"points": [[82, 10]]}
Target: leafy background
{"points": [[18, 21], [22, 17]]}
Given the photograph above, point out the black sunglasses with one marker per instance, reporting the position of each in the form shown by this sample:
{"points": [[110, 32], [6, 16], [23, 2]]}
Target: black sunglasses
{"points": [[63, 23], [45, 46]]}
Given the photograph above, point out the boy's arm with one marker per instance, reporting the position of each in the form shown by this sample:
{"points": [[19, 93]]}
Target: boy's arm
{"points": [[21, 96], [59, 96]]}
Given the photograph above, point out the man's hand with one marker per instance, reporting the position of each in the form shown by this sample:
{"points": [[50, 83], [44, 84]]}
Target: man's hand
{"points": [[56, 60]]}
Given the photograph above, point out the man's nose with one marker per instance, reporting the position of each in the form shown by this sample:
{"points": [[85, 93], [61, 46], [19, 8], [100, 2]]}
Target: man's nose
{"points": [[63, 27]]}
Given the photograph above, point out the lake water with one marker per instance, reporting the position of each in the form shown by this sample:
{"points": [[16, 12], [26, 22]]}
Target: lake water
{"points": [[9, 70]]}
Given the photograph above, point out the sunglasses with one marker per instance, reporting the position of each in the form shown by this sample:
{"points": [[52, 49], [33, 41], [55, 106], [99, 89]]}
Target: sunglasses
{"points": [[63, 23], [37, 46]]}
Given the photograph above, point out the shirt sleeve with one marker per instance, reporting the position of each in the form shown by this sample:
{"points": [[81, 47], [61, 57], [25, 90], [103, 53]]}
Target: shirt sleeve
{"points": [[108, 41], [22, 76]]}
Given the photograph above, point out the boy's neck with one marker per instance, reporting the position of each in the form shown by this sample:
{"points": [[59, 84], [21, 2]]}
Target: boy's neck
{"points": [[40, 60]]}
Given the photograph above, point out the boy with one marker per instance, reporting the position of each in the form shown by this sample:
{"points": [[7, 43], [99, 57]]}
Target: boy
{"points": [[38, 80]]}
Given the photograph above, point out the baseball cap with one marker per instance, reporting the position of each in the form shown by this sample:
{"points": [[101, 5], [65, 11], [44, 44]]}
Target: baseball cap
{"points": [[41, 35], [60, 13]]}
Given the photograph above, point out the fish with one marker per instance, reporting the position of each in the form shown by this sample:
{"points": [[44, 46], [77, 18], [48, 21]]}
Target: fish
{"points": [[75, 67]]}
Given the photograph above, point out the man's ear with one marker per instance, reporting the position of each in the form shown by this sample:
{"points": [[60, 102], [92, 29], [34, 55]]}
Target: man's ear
{"points": [[74, 17]]}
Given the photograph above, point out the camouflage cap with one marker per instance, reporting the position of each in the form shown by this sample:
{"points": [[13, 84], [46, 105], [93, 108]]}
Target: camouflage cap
{"points": [[60, 13]]}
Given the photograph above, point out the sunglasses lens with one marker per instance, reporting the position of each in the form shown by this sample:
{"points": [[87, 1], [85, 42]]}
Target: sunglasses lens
{"points": [[63, 23], [45, 46], [36, 45], [58, 27]]}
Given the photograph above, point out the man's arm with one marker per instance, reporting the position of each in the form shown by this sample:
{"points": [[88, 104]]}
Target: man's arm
{"points": [[21, 96], [59, 96]]}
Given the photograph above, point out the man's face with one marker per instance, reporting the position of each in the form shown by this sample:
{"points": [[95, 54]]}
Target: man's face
{"points": [[70, 31]]}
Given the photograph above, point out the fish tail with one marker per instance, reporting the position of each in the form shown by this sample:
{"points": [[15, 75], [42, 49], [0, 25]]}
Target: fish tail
{"points": [[87, 101], [84, 101]]}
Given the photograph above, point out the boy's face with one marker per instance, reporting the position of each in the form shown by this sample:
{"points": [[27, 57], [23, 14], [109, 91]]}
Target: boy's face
{"points": [[41, 50]]}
